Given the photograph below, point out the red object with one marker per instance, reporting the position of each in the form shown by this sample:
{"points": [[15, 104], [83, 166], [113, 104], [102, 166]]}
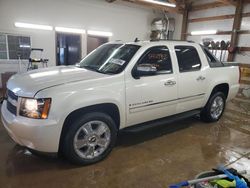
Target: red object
{"points": [[231, 49]]}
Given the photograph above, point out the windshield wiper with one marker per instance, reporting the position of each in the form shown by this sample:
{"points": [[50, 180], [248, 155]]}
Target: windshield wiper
{"points": [[88, 67]]}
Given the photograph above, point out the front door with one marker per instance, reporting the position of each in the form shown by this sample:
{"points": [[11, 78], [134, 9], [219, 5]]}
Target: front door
{"points": [[152, 96]]}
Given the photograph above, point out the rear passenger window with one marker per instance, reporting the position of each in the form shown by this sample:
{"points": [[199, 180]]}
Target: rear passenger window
{"points": [[188, 58], [159, 57]]}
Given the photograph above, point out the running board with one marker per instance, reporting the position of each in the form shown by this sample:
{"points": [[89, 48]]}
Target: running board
{"points": [[162, 121]]}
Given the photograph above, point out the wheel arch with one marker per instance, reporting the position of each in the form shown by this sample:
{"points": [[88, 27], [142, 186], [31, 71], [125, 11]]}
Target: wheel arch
{"points": [[223, 87], [109, 108]]}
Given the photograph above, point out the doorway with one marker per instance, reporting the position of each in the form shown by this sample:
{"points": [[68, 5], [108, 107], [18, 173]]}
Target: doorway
{"points": [[94, 41], [68, 49]]}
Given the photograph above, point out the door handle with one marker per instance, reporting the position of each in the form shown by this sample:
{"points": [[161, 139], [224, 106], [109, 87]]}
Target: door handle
{"points": [[170, 83], [200, 78]]}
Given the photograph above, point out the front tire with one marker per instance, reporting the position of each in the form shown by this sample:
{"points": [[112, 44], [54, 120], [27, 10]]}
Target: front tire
{"points": [[214, 108], [90, 138]]}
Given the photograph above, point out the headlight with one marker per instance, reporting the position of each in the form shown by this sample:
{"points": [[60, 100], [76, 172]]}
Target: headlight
{"points": [[35, 108]]}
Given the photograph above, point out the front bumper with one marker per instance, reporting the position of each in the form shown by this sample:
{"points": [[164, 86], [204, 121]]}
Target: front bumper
{"points": [[36, 134]]}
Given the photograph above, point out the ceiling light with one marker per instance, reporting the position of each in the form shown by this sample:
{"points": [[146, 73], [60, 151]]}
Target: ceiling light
{"points": [[161, 3], [100, 33], [24, 46], [33, 26], [205, 32], [69, 30]]}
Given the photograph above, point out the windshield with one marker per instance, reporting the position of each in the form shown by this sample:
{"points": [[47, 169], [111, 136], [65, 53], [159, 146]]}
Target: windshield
{"points": [[109, 58]]}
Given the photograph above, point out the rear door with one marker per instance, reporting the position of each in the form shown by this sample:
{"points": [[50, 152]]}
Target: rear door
{"points": [[191, 78]]}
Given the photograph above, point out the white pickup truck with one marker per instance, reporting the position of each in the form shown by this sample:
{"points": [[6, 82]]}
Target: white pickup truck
{"points": [[78, 110]]}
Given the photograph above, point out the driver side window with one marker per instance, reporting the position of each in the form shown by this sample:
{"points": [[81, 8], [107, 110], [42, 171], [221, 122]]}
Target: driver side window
{"points": [[158, 57]]}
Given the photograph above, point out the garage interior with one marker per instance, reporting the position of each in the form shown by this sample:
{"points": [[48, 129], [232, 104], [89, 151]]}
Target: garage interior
{"points": [[155, 157]]}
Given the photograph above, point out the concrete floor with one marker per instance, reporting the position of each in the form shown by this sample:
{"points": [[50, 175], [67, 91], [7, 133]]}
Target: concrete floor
{"points": [[153, 158]]}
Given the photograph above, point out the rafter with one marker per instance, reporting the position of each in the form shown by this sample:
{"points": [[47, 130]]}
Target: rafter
{"points": [[228, 2], [178, 3], [207, 6]]}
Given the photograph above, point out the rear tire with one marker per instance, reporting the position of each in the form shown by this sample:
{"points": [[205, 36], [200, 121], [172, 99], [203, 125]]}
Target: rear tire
{"points": [[214, 108], [90, 138]]}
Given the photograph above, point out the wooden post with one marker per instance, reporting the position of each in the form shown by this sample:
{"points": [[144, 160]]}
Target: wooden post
{"points": [[184, 23], [236, 27]]}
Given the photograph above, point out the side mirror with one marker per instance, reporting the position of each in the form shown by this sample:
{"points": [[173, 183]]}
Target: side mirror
{"points": [[144, 70]]}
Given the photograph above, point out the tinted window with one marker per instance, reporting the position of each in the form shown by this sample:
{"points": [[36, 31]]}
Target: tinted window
{"points": [[159, 57], [188, 58]]}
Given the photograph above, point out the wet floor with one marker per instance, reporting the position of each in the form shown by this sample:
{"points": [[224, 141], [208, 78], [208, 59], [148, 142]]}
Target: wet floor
{"points": [[148, 159]]}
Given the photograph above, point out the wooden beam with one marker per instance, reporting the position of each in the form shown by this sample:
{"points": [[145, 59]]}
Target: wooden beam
{"points": [[179, 3], [244, 49], [207, 6], [184, 26], [228, 2], [236, 27], [243, 32], [212, 18]]}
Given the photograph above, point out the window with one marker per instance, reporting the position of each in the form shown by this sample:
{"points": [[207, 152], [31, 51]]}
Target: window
{"points": [[14, 46], [159, 57], [3, 47], [188, 58], [109, 58]]}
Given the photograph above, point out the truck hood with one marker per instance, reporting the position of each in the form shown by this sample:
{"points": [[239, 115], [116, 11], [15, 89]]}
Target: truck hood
{"points": [[28, 84]]}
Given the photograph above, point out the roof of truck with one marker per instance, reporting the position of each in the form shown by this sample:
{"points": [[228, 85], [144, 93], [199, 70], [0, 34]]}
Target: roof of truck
{"points": [[145, 43]]}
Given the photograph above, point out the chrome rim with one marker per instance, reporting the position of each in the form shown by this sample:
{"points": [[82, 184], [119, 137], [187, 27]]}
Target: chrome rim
{"points": [[92, 139], [217, 107]]}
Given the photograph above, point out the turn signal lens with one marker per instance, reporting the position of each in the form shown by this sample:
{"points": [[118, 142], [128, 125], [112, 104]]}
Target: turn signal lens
{"points": [[46, 109]]}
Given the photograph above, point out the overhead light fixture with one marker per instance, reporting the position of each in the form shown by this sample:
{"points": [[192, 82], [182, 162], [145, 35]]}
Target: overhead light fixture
{"points": [[161, 3], [100, 33], [205, 32], [33, 26], [69, 30]]}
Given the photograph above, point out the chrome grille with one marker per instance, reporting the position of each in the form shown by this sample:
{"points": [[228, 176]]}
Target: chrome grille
{"points": [[12, 102]]}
